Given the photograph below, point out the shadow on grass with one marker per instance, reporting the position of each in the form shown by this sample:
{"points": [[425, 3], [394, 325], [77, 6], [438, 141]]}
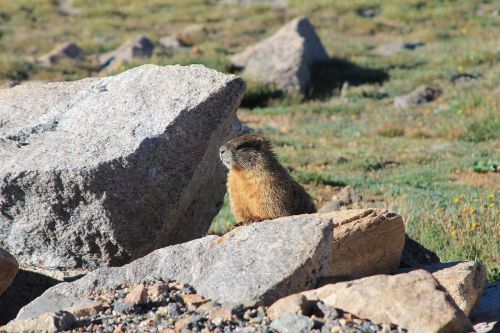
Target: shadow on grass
{"points": [[328, 77]]}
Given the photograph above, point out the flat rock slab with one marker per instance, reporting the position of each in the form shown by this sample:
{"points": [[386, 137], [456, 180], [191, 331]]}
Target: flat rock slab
{"points": [[262, 261], [285, 59], [414, 301], [464, 281], [102, 171]]}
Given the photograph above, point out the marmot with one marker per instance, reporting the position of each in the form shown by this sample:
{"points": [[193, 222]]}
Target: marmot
{"points": [[259, 186]]}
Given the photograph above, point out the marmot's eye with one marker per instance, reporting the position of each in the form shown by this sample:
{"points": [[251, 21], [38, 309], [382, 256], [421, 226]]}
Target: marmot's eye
{"points": [[248, 145]]}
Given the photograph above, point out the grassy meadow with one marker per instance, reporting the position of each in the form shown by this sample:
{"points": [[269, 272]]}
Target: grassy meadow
{"points": [[433, 164]]}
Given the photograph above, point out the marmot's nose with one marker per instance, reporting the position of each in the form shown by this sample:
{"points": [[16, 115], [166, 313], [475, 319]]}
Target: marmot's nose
{"points": [[222, 150]]}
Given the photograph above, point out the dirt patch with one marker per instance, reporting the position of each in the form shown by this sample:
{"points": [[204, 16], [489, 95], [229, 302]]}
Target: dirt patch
{"points": [[486, 180]]}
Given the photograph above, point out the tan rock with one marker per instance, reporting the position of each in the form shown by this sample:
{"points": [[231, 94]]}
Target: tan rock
{"points": [[293, 304], [414, 301], [138, 295], [156, 290], [365, 242], [87, 309], [464, 281], [192, 35], [48, 322], [193, 300], [222, 313], [182, 323], [8, 269]]}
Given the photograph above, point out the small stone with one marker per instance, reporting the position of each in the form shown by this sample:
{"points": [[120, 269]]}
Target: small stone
{"points": [[293, 304], [182, 323], [138, 295], [192, 34], [156, 290], [147, 322], [87, 309], [423, 94], [123, 307], [293, 324], [224, 313], [192, 301], [171, 310]]}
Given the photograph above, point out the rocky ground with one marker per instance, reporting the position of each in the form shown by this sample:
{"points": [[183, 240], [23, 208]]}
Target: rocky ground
{"points": [[158, 306]]}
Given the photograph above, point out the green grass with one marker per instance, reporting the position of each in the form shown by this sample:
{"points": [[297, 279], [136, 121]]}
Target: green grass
{"points": [[432, 163]]}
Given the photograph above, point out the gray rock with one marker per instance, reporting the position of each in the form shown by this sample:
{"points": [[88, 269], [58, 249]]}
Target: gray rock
{"points": [[261, 261], [8, 269], [423, 94], [136, 48], [102, 171], [393, 48], [48, 322], [169, 42], [293, 324], [68, 51], [285, 59]]}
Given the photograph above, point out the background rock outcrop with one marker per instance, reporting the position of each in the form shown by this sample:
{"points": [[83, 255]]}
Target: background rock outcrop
{"points": [[261, 261], [102, 171], [284, 60]]}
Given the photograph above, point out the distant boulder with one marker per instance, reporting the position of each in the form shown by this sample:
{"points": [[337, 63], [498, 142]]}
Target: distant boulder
{"points": [[285, 59], [65, 51], [421, 95], [135, 48]]}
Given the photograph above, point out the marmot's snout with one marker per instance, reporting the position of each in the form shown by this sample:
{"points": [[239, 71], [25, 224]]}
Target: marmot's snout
{"points": [[225, 156]]}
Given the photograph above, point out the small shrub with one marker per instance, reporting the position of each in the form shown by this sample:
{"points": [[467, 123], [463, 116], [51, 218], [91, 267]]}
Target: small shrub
{"points": [[482, 130], [485, 166]]}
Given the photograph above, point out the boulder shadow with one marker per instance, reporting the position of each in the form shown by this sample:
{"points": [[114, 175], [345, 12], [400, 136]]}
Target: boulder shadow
{"points": [[328, 77], [27, 286]]}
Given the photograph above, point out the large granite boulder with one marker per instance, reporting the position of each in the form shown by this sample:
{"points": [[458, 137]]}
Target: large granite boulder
{"points": [[284, 60], [257, 262], [102, 171]]}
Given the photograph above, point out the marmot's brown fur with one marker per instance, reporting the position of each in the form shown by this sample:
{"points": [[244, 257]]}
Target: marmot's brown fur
{"points": [[259, 186]]}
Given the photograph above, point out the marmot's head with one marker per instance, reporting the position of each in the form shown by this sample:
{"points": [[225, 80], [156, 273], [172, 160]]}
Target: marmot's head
{"points": [[247, 152]]}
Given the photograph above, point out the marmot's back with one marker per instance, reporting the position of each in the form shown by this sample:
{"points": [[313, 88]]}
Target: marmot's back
{"points": [[259, 187]]}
